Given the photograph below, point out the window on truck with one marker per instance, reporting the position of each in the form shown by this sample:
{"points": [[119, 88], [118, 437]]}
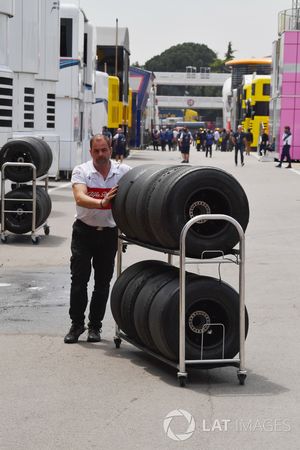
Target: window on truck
{"points": [[66, 29]]}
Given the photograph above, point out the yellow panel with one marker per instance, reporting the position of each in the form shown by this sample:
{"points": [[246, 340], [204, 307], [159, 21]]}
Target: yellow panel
{"points": [[129, 112], [113, 113]]}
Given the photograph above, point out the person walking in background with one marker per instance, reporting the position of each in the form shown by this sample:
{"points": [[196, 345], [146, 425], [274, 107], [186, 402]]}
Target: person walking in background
{"points": [[107, 133], [217, 138], [239, 139], [264, 141], [209, 143], [185, 141], [169, 134], [224, 140], [119, 140], [155, 139], [286, 145], [163, 139], [94, 237], [176, 135], [249, 140], [198, 140]]}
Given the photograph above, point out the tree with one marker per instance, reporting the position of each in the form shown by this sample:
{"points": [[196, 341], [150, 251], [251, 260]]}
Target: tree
{"points": [[230, 53], [178, 57]]}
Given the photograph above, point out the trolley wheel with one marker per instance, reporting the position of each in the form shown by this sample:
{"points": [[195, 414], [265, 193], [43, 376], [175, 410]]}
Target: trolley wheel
{"points": [[242, 377], [182, 380], [117, 342], [4, 239], [35, 240], [46, 230]]}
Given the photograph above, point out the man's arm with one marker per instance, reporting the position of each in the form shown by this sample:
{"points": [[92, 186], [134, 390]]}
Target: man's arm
{"points": [[84, 200]]}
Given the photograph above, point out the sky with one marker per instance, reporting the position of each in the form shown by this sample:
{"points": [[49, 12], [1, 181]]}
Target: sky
{"points": [[156, 25]]}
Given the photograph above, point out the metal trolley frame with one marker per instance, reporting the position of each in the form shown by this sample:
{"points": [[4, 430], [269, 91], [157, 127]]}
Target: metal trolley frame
{"points": [[34, 236], [183, 363]]}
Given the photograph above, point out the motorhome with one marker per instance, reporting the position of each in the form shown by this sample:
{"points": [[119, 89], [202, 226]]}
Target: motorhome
{"points": [[49, 85]]}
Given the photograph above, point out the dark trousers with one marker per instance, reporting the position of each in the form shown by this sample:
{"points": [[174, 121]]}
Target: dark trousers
{"points": [[208, 150], [91, 247], [236, 150], [285, 154]]}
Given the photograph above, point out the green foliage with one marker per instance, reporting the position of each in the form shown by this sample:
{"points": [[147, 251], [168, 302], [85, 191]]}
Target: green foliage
{"points": [[178, 57], [230, 52]]}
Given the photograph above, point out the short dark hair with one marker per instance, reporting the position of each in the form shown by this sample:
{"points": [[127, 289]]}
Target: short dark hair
{"points": [[287, 128], [97, 136]]}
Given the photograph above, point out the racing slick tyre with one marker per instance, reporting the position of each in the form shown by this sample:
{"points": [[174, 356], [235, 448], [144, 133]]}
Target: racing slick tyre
{"points": [[25, 150], [212, 314], [121, 283], [200, 190]]}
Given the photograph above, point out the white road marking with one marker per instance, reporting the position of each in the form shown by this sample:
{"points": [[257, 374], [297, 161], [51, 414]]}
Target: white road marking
{"points": [[36, 288], [61, 186], [5, 284]]}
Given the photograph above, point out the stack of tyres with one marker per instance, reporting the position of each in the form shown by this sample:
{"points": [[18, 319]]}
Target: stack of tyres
{"points": [[145, 306], [19, 202], [155, 202]]}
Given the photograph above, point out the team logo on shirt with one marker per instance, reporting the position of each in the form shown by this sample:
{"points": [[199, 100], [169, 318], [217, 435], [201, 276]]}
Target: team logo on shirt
{"points": [[98, 193]]}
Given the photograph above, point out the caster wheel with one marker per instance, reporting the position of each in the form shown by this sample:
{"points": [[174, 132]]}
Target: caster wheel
{"points": [[35, 240], [182, 381], [46, 230], [117, 342], [242, 377]]}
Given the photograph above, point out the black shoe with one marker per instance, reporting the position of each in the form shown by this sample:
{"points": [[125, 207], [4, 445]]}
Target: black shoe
{"points": [[94, 335], [243, 164], [278, 165], [289, 167], [74, 333]]}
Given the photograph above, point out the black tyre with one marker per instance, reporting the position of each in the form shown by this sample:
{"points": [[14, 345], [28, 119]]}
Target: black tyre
{"points": [[143, 303], [46, 201], [24, 150], [121, 283], [19, 221], [132, 291], [138, 201], [201, 190], [119, 210], [208, 301], [45, 150]]}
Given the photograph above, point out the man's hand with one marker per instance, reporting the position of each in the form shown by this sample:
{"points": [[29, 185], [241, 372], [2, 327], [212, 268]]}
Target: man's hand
{"points": [[109, 196]]}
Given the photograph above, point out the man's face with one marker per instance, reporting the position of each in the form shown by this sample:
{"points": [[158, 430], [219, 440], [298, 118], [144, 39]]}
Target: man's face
{"points": [[100, 151]]}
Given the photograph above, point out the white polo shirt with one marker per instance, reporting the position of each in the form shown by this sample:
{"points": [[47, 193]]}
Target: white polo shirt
{"points": [[97, 187], [286, 139]]}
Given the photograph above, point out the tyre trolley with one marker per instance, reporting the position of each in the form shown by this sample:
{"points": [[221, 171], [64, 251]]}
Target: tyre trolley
{"points": [[239, 259], [46, 228]]}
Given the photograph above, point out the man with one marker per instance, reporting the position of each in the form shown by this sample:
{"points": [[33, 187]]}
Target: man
{"points": [[107, 133], [264, 141], [119, 144], [163, 138], [239, 140], [94, 237], [216, 138], [209, 143], [185, 141], [286, 145], [249, 140], [155, 139]]}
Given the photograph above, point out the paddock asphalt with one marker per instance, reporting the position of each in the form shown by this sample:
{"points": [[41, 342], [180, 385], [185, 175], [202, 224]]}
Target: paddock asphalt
{"points": [[94, 396]]}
